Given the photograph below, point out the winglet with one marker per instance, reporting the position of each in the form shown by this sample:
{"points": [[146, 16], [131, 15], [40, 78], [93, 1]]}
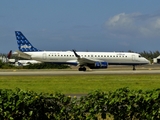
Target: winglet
{"points": [[76, 54]]}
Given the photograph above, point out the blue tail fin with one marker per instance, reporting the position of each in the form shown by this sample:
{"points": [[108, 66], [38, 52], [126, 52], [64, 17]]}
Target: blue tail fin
{"points": [[23, 44]]}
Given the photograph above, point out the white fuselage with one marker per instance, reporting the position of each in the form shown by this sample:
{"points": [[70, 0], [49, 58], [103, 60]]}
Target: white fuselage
{"points": [[68, 57]]}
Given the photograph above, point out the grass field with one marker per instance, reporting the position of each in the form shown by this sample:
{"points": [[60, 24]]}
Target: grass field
{"points": [[80, 84]]}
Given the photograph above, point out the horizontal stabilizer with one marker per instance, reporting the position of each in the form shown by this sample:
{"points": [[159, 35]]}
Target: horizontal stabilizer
{"points": [[22, 55]]}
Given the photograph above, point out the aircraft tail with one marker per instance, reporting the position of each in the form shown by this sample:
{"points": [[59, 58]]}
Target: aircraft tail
{"points": [[9, 54], [23, 44]]}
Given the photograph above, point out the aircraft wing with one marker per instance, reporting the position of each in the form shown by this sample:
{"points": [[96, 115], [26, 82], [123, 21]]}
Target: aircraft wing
{"points": [[91, 63], [85, 61], [23, 55]]}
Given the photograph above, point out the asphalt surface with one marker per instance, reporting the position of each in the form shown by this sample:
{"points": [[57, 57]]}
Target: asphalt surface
{"points": [[145, 69]]}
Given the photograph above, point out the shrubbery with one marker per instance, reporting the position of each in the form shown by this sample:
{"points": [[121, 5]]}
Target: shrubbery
{"points": [[46, 66], [34, 66], [6, 65], [120, 104]]}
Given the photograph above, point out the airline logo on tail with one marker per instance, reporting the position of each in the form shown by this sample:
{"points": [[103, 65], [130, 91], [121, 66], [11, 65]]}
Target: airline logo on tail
{"points": [[23, 44]]}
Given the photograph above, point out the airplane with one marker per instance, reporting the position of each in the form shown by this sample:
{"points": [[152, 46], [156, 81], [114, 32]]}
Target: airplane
{"points": [[93, 60], [26, 62]]}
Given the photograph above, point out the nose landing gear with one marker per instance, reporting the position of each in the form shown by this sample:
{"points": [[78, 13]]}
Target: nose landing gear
{"points": [[134, 67]]}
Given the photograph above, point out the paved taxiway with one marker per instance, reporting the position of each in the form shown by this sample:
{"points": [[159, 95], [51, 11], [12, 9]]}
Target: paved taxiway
{"points": [[98, 72], [146, 69]]}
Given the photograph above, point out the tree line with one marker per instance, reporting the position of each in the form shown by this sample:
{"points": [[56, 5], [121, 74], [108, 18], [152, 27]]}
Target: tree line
{"points": [[150, 55], [34, 66]]}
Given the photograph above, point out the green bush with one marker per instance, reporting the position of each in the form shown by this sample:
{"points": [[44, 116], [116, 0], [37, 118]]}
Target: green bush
{"points": [[34, 66], [46, 66], [120, 104], [6, 65]]}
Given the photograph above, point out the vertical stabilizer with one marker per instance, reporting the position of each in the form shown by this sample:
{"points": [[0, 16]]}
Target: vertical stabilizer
{"points": [[9, 54], [23, 44]]}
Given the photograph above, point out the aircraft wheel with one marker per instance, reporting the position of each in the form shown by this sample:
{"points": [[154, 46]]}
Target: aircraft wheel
{"points": [[80, 69], [84, 69]]}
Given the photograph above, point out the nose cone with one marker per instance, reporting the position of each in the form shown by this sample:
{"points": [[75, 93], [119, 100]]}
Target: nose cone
{"points": [[147, 61]]}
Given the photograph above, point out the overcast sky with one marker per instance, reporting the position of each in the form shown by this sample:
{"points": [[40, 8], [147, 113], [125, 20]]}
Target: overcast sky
{"points": [[92, 25]]}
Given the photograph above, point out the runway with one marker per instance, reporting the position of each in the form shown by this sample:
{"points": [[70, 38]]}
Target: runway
{"points": [[70, 72]]}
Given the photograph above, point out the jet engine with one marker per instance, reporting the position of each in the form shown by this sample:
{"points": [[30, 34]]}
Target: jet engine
{"points": [[98, 65]]}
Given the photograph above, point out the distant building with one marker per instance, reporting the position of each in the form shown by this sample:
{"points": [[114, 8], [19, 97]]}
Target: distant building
{"points": [[156, 60]]}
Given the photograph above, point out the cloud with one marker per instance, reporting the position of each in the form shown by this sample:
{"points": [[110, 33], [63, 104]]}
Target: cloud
{"points": [[121, 19], [135, 25]]}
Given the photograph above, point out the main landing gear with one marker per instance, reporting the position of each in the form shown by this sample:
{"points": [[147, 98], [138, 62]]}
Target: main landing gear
{"points": [[82, 69]]}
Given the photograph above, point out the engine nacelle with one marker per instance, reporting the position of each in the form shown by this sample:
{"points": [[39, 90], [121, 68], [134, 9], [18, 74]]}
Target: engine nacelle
{"points": [[97, 65]]}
